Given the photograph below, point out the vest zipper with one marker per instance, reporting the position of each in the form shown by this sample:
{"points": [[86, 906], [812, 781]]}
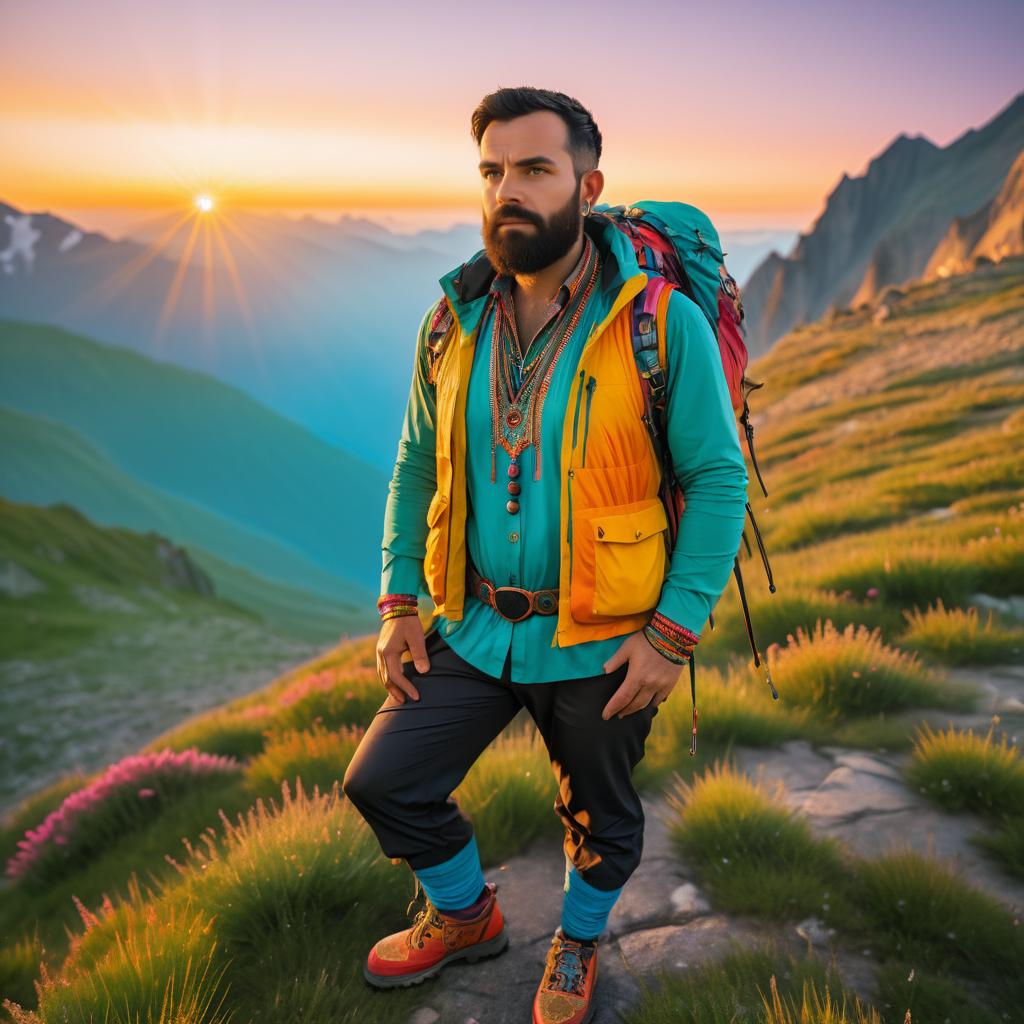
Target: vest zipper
{"points": [[575, 423], [576, 414], [591, 386]]}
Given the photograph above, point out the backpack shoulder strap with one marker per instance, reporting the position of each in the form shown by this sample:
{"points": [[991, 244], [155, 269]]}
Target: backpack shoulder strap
{"points": [[441, 331]]}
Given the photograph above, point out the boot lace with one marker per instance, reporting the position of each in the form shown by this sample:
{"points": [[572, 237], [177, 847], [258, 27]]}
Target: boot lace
{"points": [[567, 967], [425, 919]]}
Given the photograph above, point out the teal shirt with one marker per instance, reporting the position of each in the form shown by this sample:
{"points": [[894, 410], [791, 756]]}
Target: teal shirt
{"points": [[523, 549]]}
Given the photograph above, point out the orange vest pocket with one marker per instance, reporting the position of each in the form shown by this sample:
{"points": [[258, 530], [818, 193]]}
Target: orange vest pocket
{"points": [[620, 557]]}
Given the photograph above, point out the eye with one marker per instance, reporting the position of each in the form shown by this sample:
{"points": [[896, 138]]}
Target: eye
{"points": [[541, 169]]}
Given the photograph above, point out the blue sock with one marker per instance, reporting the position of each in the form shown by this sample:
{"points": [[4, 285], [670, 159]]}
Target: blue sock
{"points": [[585, 909], [455, 883]]}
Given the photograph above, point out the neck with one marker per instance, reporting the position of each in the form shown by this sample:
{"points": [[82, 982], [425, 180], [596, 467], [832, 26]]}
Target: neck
{"points": [[543, 286]]}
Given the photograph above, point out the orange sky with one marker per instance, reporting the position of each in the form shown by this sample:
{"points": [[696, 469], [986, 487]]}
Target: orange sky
{"points": [[320, 106]]}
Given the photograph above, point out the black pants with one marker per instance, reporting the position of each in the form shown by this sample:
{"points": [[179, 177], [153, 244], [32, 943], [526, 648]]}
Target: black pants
{"points": [[414, 754]]}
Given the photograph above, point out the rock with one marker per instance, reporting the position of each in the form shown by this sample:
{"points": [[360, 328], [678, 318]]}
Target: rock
{"points": [[869, 765], [684, 945], [18, 582], [424, 1015], [847, 793], [814, 931], [686, 899], [796, 764]]}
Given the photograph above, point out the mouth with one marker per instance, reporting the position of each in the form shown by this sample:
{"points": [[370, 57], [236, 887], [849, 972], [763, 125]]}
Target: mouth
{"points": [[503, 223]]}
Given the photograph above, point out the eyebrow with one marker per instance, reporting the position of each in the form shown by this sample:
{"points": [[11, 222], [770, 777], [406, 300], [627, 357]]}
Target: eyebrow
{"points": [[485, 164]]}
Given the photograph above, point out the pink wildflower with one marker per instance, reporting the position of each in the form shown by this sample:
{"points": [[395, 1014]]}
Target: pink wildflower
{"points": [[872, 592], [59, 826]]}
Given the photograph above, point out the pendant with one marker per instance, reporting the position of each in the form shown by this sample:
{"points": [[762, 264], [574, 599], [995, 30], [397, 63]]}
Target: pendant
{"points": [[514, 416]]}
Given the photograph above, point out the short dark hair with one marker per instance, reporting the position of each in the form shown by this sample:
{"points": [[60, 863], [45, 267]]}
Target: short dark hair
{"points": [[505, 104]]}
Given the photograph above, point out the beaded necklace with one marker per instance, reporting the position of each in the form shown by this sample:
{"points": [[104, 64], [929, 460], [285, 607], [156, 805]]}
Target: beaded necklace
{"points": [[517, 387]]}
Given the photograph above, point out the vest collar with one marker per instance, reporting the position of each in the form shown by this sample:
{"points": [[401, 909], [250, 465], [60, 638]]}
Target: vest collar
{"points": [[467, 285]]}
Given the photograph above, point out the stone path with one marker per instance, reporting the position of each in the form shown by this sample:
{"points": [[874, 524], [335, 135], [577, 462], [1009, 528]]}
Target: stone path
{"points": [[856, 796]]}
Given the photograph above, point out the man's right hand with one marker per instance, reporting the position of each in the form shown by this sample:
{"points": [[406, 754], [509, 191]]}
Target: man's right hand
{"points": [[398, 635]]}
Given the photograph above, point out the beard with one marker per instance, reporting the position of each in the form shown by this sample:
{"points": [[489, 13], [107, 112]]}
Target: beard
{"points": [[525, 250]]}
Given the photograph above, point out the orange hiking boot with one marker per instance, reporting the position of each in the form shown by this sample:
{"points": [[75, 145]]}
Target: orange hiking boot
{"points": [[565, 993], [435, 939]]}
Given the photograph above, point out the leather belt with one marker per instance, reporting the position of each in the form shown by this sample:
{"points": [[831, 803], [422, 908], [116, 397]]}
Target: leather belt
{"points": [[513, 603]]}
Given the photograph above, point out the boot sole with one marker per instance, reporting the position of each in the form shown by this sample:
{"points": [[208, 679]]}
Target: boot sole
{"points": [[478, 951]]}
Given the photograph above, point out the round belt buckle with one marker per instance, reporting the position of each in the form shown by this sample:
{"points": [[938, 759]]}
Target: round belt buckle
{"points": [[511, 603]]}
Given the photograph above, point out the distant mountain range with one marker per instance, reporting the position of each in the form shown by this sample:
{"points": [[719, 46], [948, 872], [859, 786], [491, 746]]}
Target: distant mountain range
{"points": [[134, 442], [315, 320], [919, 209]]}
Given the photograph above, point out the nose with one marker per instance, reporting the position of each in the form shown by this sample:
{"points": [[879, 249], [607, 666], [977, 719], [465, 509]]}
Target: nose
{"points": [[507, 191]]}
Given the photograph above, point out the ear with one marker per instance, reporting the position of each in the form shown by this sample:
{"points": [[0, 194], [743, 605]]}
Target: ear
{"points": [[591, 185]]}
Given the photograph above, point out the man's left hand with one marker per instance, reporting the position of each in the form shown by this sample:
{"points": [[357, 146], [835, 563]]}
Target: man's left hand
{"points": [[650, 676]]}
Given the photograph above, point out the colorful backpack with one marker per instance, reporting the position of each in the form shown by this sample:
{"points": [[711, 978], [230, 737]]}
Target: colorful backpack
{"points": [[677, 246]]}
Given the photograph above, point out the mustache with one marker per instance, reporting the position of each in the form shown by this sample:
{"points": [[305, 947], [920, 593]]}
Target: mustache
{"points": [[500, 218]]}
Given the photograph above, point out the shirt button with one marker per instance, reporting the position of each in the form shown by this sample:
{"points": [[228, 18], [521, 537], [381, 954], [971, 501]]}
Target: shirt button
{"points": [[513, 537]]}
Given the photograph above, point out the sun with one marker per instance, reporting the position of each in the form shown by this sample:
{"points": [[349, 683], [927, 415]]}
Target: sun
{"points": [[204, 203]]}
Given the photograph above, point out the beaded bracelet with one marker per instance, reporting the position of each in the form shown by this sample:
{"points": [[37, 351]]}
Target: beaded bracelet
{"points": [[392, 606], [670, 639]]}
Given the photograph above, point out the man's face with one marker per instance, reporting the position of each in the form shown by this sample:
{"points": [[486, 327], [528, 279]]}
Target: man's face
{"points": [[544, 193]]}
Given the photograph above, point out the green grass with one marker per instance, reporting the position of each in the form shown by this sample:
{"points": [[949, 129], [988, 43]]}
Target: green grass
{"points": [[752, 853], [242, 927], [853, 672], [961, 770], [751, 986], [954, 636]]}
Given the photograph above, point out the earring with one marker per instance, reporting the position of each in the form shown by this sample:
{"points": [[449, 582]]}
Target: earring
{"points": [[585, 208]]}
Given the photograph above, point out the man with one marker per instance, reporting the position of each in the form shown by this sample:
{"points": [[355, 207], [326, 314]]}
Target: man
{"points": [[525, 498]]}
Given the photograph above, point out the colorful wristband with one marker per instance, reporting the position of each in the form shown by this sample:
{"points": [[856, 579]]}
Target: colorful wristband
{"points": [[392, 606]]}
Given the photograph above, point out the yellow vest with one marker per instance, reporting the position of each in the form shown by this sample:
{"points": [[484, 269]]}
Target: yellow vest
{"points": [[614, 560]]}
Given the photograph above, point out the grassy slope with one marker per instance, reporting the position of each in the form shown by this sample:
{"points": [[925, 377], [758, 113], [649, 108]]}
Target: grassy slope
{"points": [[178, 429], [45, 462], [863, 431]]}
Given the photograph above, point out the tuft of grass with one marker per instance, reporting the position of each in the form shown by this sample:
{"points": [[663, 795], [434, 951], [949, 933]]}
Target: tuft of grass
{"points": [[1007, 845], [961, 770], [753, 852], [957, 637], [317, 755], [855, 673], [923, 912], [927, 996], [221, 732], [731, 990], [814, 1008], [19, 968], [509, 795], [337, 696], [276, 888]]}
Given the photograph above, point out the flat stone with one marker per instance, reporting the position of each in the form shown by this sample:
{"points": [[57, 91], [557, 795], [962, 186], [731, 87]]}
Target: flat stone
{"points": [[869, 764], [424, 1015], [796, 764], [687, 945], [846, 793], [686, 899]]}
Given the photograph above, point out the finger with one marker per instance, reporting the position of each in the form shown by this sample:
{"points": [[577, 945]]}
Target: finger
{"points": [[638, 703], [622, 696], [418, 650], [615, 660], [396, 676]]}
